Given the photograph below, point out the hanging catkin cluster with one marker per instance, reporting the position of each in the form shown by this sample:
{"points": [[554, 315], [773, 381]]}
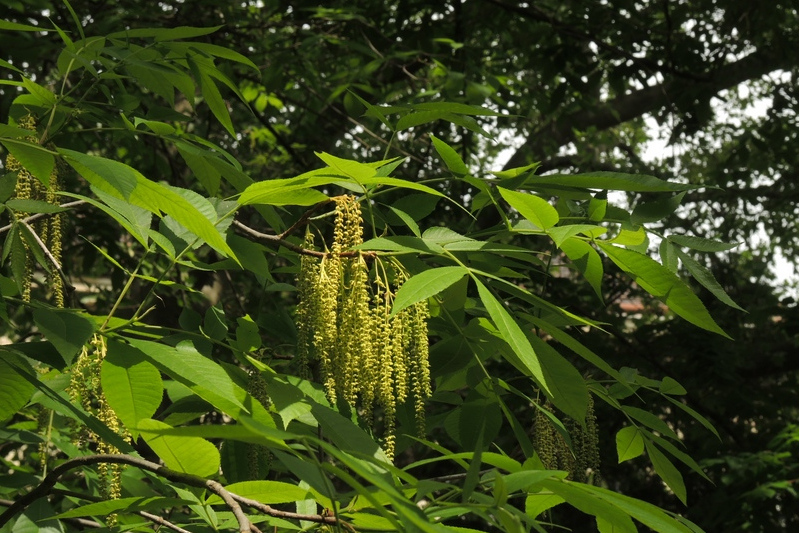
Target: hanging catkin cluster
{"points": [[259, 457], [366, 355], [48, 228], [85, 389], [554, 452]]}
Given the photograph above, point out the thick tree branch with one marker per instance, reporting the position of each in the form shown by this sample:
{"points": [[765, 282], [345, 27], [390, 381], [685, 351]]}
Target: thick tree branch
{"points": [[531, 12], [627, 107], [233, 501]]}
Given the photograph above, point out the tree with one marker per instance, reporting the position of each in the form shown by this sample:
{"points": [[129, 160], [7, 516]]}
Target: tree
{"points": [[212, 130]]}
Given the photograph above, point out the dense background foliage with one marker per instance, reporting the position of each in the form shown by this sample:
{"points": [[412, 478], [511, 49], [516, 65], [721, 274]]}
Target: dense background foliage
{"points": [[578, 85]]}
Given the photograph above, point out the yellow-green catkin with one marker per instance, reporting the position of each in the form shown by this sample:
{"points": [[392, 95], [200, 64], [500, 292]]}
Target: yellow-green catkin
{"points": [[586, 446], [258, 456], [545, 438], [48, 228], [52, 229], [86, 389], [307, 308], [367, 356], [27, 188], [582, 460]]}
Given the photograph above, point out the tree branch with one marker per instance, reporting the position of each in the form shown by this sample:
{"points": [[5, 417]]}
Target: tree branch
{"points": [[621, 109], [233, 501], [277, 239], [531, 12], [37, 216]]}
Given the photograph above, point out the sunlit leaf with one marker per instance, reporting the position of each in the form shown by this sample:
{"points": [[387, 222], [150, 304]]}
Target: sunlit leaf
{"points": [[532, 207], [191, 455], [428, 283], [630, 443]]}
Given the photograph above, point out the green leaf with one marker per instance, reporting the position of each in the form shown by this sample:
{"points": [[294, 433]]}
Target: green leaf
{"points": [[627, 237], [205, 172], [597, 207], [700, 244], [131, 385], [348, 437], [126, 183], [347, 167], [586, 260], [669, 258], [533, 208], [185, 364], [655, 211], [612, 181], [42, 95], [67, 330], [191, 455], [578, 348], [567, 387], [578, 496], [268, 492], [14, 26], [450, 157], [164, 34], [667, 471], [694, 414], [36, 159], [670, 386], [630, 443], [418, 118], [215, 51], [136, 220], [644, 512], [26, 205], [402, 243], [514, 336], [561, 233], [538, 503], [15, 389], [124, 505], [663, 284], [650, 420], [403, 184], [705, 278], [262, 192], [458, 108], [62, 404], [428, 283], [302, 197], [214, 100]]}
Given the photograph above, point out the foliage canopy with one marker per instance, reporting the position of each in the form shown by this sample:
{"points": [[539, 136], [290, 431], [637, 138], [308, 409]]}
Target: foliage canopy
{"points": [[261, 267]]}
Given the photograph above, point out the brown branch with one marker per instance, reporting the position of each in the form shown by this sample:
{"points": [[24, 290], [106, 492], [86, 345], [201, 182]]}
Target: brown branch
{"points": [[302, 220], [232, 500], [624, 108], [80, 522], [37, 216], [277, 239], [533, 13]]}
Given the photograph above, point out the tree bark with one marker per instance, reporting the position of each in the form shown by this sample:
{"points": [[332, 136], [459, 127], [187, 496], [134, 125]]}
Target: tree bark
{"points": [[561, 131]]}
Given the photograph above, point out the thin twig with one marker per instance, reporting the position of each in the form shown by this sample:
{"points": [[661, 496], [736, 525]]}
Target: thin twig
{"points": [[144, 514], [67, 285], [232, 500], [80, 522], [276, 239], [302, 220], [37, 216]]}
